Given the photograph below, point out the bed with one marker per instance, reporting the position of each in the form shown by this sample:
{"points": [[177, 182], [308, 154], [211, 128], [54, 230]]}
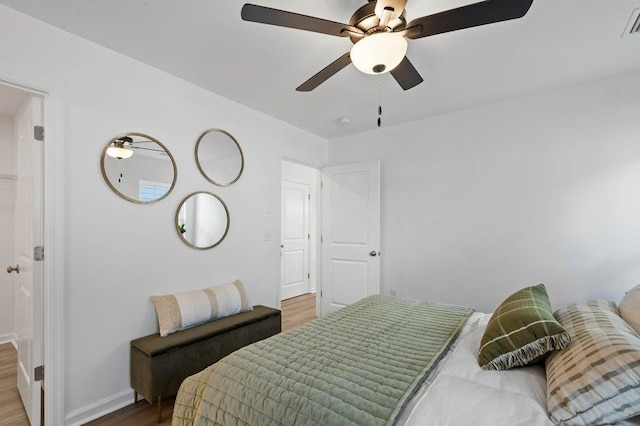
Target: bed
{"points": [[380, 361]]}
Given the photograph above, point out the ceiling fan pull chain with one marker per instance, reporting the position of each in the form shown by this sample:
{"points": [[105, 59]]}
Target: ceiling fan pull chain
{"points": [[379, 104]]}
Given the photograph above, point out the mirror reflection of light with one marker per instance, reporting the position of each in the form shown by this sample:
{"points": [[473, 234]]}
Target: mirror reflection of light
{"points": [[119, 150]]}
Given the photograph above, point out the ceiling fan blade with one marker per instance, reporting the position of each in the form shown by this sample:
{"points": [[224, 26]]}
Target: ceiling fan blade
{"points": [[396, 7], [147, 149], [281, 18], [473, 15], [406, 75], [325, 73]]}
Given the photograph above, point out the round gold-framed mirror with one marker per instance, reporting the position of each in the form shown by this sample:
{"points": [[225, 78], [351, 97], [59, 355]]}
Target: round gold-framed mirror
{"points": [[202, 220], [219, 157], [138, 167]]}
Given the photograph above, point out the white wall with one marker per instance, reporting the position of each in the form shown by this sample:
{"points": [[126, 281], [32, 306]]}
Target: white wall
{"points": [[540, 189], [118, 253], [7, 145], [7, 203]]}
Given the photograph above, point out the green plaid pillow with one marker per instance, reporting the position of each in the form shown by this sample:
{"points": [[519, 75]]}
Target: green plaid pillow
{"points": [[596, 380], [521, 331]]}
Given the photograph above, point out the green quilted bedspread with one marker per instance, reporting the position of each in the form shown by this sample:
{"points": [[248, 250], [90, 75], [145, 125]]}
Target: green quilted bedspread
{"points": [[359, 365]]}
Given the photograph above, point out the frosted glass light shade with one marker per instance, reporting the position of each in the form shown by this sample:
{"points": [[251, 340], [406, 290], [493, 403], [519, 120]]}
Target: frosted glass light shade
{"points": [[379, 52], [119, 151]]}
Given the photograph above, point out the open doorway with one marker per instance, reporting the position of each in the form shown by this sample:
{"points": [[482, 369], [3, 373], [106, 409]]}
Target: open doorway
{"points": [[300, 195], [21, 218]]}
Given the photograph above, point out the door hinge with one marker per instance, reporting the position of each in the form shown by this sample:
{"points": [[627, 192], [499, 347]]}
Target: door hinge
{"points": [[309, 196], [309, 276], [308, 236], [38, 133], [321, 240], [320, 293], [38, 373], [38, 253]]}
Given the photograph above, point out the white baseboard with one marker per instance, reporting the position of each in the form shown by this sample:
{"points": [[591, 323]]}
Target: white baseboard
{"points": [[100, 408], [8, 338]]}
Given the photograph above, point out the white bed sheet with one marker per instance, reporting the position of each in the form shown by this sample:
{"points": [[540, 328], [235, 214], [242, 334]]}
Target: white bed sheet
{"points": [[461, 393]]}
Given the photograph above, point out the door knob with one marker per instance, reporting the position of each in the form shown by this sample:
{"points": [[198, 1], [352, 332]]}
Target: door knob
{"points": [[15, 269], [373, 253]]}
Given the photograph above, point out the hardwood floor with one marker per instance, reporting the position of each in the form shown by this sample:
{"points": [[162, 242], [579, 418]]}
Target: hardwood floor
{"points": [[298, 310], [295, 311], [139, 414], [12, 411]]}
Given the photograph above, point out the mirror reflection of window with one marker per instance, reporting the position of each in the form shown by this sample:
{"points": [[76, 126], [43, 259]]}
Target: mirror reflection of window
{"points": [[150, 191]]}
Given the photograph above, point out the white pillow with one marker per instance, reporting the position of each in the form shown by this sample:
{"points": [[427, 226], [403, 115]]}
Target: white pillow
{"points": [[187, 309], [630, 308]]}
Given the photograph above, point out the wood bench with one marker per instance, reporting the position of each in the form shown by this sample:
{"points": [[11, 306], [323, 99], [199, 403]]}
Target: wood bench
{"points": [[160, 364]]}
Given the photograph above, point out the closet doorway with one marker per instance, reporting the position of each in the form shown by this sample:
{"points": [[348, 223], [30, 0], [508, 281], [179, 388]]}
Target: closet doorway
{"points": [[299, 195]]}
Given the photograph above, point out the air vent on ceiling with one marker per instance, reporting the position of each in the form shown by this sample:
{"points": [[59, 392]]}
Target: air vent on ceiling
{"points": [[633, 27]]}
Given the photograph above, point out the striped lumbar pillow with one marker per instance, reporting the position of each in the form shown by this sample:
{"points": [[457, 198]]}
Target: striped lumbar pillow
{"points": [[596, 380], [183, 310], [521, 331]]}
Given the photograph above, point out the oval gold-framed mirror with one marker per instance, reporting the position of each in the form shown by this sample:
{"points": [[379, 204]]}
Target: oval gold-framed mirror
{"points": [[219, 157], [138, 168], [202, 220]]}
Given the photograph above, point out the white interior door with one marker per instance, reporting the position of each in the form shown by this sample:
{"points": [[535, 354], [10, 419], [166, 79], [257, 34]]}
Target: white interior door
{"points": [[294, 239], [350, 234], [29, 234]]}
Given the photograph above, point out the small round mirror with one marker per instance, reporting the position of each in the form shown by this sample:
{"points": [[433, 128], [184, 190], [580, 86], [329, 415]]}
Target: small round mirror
{"points": [[219, 157], [202, 220], [138, 168]]}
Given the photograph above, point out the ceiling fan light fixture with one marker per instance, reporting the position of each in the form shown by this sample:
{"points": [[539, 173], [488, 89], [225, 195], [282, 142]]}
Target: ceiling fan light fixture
{"points": [[119, 150], [379, 53]]}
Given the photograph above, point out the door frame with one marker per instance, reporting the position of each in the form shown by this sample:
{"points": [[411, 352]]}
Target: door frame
{"points": [[53, 204]]}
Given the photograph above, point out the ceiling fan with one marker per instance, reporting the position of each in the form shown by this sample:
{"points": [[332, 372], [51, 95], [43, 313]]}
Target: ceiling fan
{"points": [[379, 30]]}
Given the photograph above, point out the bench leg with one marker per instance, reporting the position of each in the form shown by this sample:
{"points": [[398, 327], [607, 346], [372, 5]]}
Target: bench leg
{"points": [[135, 396], [159, 409]]}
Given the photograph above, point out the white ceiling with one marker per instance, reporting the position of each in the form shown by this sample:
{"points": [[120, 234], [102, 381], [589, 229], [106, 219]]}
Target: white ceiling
{"points": [[558, 43]]}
